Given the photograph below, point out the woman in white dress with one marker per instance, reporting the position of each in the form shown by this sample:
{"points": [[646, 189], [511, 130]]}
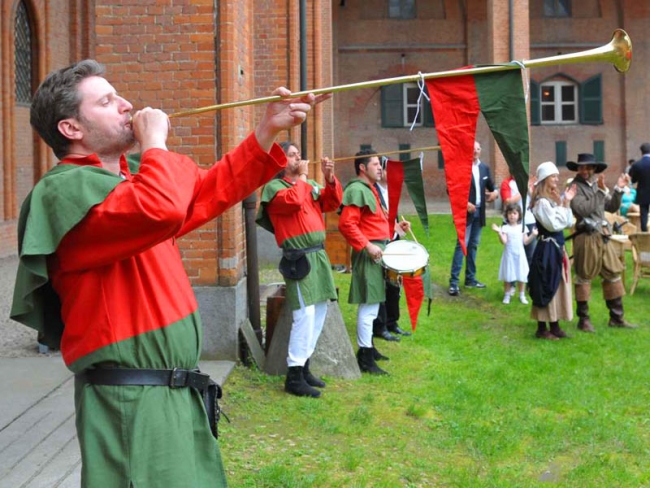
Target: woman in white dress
{"points": [[550, 272]]}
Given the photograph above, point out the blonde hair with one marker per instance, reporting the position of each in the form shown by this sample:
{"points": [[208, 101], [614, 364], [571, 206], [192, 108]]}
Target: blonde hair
{"points": [[542, 190]]}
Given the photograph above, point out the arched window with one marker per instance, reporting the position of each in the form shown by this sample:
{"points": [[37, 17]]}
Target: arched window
{"points": [[23, 55]]}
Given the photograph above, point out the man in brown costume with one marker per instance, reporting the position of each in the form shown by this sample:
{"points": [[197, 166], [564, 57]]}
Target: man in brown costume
{"points": [[593, 253]]}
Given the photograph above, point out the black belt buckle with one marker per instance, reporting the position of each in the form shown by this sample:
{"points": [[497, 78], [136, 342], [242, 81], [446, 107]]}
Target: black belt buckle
{"points": [[178, 378]]}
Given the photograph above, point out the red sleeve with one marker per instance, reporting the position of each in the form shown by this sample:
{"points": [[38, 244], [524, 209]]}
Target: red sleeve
{"points": [[168, 197], [289, 200], [506, 192], [349, 226], [331, 196], [230, 180]]}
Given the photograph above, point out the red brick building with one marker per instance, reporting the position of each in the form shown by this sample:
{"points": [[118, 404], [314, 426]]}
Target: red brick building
{"points": [[182, 54]]}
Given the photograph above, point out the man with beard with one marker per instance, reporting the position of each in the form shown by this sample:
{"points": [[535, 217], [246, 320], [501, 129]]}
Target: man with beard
{"points": [[593, 253], [101, 273], [364, 224], [292, 209]]}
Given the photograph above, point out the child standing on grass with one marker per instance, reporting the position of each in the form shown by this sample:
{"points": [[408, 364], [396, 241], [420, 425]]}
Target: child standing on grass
{"points": [[514, 265]]}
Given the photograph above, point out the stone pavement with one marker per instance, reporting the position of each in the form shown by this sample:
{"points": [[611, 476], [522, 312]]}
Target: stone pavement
{"points": [[38, 441]]}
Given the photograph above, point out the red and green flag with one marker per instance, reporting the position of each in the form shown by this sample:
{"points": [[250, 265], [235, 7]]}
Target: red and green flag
{"points": [[456, 102], [409, 173]]}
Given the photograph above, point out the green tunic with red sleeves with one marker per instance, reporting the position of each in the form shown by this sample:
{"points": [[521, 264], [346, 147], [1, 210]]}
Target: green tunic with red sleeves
{"points": [[100, 266], [294, 213]]}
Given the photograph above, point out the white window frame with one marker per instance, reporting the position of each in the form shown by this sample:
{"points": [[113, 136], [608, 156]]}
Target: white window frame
{"points": [[558, 103], [420, 114]]}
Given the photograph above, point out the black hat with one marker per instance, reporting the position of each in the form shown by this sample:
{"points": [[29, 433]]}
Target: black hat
{"points": [[584, 159]]}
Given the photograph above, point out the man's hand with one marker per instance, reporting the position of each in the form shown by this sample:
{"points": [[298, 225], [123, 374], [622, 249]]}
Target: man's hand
{"points": [[327, 166], [471, 208], [374, 252], [303, 169], [150, 128], [491, 195], [601, 182], [405, 225], [284, 114]]}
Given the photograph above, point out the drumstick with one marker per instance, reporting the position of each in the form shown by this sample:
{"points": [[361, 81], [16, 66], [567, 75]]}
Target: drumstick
{"points": [[412, 235]]}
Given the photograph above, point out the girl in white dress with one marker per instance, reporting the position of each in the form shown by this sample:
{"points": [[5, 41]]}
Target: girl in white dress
{"points": [[514, 265]]}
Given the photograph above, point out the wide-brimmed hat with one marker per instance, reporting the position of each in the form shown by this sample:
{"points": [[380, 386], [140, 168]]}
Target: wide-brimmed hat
{"points": [[584, 159], [544, 170]]}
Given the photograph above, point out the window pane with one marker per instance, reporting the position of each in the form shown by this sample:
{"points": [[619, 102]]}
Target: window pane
{"points": [[410, 114], [548, 93], [548, 113], [563, 8], [568, 113], [568, 94], [412, 95], [408, 9], [394, 9], [23, 55]]}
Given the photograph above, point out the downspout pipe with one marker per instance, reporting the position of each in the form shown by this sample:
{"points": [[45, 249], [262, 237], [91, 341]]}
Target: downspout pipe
{"points": [[511, 26], [252, 266], [303, 71]]}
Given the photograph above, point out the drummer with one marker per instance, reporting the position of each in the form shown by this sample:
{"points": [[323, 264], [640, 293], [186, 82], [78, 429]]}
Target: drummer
{"points": [[364, 224]]}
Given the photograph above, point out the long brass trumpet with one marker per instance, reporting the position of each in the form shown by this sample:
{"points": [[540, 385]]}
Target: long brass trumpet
{"points": [[618, 52]]}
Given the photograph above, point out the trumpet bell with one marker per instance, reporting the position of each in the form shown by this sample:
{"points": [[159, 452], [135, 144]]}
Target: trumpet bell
{"points": [[618, 52]]}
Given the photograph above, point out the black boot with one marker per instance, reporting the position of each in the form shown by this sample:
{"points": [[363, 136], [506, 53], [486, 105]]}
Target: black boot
{"points": [[378, 356], [616, 319], [584, 322], [366, 360], [296, 384], [395, 329], [310, 378]]}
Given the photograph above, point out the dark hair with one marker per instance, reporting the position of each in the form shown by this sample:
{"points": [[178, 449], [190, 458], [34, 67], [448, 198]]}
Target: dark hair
{"points": [[285, 145], [645, 148], [57, 99], [363, 157], [511, 207]]}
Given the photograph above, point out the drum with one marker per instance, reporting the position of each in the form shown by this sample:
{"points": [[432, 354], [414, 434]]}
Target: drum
{"points": [[404, 258]]}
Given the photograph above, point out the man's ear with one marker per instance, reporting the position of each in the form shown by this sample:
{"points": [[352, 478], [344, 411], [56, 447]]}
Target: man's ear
{"points": [[70, 128]]}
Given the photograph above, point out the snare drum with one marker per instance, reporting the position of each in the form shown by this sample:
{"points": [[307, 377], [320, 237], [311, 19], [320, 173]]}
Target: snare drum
{"points": [[404, 258]]}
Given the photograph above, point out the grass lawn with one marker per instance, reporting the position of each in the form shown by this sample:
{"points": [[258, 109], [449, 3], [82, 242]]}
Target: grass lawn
{"points": [[472, 400]]}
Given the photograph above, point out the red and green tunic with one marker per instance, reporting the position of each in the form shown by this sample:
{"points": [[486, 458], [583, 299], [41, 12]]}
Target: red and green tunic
{"points": [[364, 220], [111, 255], [294, 213]]}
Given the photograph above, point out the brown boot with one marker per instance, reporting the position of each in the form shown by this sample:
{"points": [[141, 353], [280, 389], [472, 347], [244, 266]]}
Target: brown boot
{"points": [[557, 331], [542, 333], [616, 314], [584, 323]]}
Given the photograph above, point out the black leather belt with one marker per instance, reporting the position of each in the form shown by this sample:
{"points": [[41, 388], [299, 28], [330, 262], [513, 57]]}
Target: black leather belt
{"points": [[173, 378]]}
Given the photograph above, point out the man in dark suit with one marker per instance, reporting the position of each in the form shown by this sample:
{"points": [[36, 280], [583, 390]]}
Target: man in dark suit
{"points": [[640, 174], [481, 192]]}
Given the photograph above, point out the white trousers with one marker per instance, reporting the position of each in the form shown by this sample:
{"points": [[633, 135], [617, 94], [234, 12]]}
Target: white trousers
{"points": [[307, 325], [366, 315]]}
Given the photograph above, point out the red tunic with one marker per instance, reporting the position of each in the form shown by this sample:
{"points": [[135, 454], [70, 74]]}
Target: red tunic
{"points": [[359, 225], [295, 212], [119, 273]]}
